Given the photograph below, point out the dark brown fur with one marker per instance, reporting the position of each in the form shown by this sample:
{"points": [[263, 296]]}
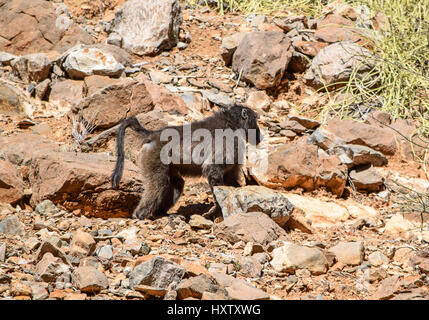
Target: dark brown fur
{"points": [[163, 182]]}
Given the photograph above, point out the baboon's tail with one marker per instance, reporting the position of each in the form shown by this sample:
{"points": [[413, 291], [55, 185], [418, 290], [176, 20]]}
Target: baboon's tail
{"points": [[119, 168]]}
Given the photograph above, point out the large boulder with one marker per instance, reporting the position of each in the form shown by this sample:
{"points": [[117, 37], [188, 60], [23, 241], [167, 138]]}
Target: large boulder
{"points": [[358, 133], [34, 26], [20, 149], [262, 58], [148, 27], [75, 180], [82, 181], [110, 105], [334, 65], [253, 198]]}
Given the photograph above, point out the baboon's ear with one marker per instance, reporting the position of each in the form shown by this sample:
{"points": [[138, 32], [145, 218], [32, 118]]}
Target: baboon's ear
{"points": [[244, 114]]}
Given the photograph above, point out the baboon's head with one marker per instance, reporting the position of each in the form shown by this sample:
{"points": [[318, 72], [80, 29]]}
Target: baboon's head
{"points": [[247, 119]]}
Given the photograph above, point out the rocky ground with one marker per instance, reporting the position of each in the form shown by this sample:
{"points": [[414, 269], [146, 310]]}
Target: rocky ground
{"points": [[321, 222]]}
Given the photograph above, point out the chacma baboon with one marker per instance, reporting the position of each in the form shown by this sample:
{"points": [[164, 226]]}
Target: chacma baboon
{"points": [[212, 147]]}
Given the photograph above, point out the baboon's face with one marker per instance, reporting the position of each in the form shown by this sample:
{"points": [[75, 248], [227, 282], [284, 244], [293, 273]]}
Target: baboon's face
{"points": [[248, 120]]}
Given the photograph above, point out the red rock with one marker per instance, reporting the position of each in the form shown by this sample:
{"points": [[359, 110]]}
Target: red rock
{"points": [[11, 185], [18, 288], [110, 105], [310, 48], [31, 26], [89, 280], [82, 245], [300, 164], [166, 100], [335, 28], [195, 287], [262, 58], [354, 132]]}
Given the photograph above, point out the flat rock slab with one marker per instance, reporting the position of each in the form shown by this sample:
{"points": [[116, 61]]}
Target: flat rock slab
{"points": [[251, 226], [253, 198]]}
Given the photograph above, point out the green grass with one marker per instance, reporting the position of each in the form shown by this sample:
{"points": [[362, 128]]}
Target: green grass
{"points": [[399, 82]]}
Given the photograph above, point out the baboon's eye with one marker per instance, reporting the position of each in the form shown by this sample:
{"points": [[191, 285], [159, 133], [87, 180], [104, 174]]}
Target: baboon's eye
{"points": [[244, 114]]}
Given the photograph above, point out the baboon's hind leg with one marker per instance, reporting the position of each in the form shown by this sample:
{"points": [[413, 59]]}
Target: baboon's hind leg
{"points": [[161, 193]]}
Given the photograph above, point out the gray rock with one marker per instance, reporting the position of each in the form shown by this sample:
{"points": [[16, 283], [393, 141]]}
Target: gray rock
{"points": [[148, 27], [250, 267], [46, 208], [114, 39], [221, 99], [12, 226], [336, 63], [157, 272], [2, 251], [253, 198], [105, 252], [86, 61]]}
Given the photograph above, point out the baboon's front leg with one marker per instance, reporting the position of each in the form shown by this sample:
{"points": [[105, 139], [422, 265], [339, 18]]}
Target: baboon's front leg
{"points": [[214, 175]]}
